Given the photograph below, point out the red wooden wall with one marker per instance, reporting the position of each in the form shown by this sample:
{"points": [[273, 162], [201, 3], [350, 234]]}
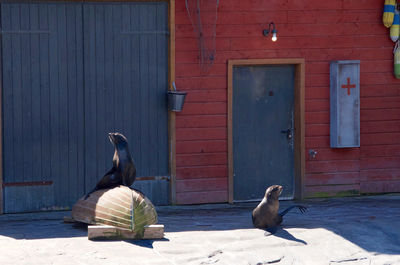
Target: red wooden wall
{"points": [[319, 31]]}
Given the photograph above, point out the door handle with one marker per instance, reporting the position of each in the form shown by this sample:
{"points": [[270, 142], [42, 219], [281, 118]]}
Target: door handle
{"points": [[288, 133]]}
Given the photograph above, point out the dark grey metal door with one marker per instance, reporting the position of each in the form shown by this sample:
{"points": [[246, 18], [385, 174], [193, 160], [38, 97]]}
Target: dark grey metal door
{"points": [[71, 73], [263, 143]]}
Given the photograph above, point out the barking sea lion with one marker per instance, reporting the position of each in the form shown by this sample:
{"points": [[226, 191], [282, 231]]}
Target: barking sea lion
{"points": [[123, 171], [265, 215]]}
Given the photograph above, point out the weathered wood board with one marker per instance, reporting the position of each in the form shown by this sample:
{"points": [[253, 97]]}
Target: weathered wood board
{"points": [[112, 232], [69, 220]]}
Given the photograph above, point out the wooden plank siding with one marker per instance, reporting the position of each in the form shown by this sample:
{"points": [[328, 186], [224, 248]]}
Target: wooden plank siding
{"points": [[1, 129], [318, 31]]}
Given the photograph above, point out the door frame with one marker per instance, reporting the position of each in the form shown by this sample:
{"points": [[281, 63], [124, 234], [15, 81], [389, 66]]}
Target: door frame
{"points": [[299, 103], [171, 114]]}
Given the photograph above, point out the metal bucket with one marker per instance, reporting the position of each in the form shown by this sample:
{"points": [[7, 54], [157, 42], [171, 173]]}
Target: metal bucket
{"points": [[176, 100]]}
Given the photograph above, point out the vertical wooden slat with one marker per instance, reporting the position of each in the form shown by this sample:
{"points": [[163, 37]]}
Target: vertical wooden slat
{"points": [[152, 90], [44, 93], [90, 97], [16, 86], [125, 69], [46, 194], [299, 130], [53, 120], [162, 87], [26, 95], [62, 187], [144, 89], [17, 93], [99, 90], [79, 88], [109, 73], [36, 99], [54, 90], [136, 87], [1, 116], [171, 115], [118, 55], [117, 73], [74, 124], [71, 127], [230, 132], [7, 94]]}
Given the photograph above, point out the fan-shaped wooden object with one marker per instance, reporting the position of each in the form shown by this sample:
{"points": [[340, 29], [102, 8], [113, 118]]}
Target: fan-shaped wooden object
{"points": [[119, 207]]}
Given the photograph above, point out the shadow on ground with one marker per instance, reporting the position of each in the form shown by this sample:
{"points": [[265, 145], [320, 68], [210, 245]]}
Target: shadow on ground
{"points": [[371, 223], [39, 230], [145, 243]]}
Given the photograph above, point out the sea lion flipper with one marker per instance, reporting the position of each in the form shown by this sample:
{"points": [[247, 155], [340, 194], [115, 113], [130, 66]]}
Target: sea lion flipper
{"points": [[104, 182], [108, 179], [302, 209], [270, 230], [90, 192]]}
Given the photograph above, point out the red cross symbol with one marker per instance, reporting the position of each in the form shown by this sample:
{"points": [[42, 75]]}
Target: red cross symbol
{"points": [[348, 86]]}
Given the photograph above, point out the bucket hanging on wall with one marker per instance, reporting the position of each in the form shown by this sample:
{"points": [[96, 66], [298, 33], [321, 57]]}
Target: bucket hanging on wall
{"points": [[176, 99]]}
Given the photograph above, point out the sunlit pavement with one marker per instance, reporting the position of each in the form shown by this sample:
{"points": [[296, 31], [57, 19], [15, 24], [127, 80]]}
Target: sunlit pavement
{"points": [[358, 230]]}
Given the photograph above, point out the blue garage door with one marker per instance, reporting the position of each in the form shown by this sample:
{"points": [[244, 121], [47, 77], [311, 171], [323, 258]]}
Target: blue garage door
{"points": [[71, 73]]}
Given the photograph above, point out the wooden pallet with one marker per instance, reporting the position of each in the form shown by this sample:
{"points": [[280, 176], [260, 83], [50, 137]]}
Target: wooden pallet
{"points": [[112, 232], [155, 231]]}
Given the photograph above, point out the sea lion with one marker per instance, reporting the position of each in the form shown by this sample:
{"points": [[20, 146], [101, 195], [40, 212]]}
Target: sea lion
{"points": [[265, 215], [123, 171]]}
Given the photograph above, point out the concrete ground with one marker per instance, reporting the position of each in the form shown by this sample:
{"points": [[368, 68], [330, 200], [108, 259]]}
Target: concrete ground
{"points": [[361, 230]]}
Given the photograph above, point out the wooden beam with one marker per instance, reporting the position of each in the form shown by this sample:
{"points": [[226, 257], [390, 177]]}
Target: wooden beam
{"points": [[27, 184], [1, 129], [230, 133], [239, 62], [69, 220], [299, 108], [27, 1], [171, 114], [112, 232]]}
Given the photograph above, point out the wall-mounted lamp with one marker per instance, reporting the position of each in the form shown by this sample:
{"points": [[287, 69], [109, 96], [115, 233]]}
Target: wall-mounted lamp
{"points": [[273, 31]]}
